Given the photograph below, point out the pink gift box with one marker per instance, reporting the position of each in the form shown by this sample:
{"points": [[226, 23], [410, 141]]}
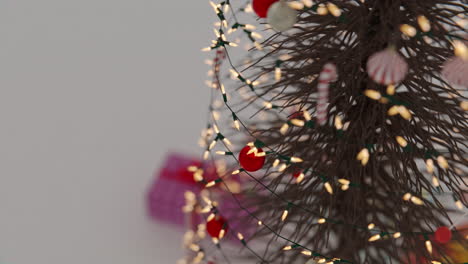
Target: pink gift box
{"points": [[165, 198]]}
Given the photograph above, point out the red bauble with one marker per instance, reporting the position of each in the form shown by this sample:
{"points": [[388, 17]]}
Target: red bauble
{"points": [[215, 225], [251, 162], [297, 174], [261, 6], [443, 235], [297, 115]]}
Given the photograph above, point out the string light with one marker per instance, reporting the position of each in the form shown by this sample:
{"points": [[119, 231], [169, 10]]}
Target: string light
{"points": [[363, 156], [374, 238], [198, 175], [429, 246], [222, 233], [401, 141], [442, 162], [322, 10], [464, 105], [373, 94], [268, 105], [344, 184], [300, 177], [275, 163], [460, 49], [296, 160], [277, 74], [400, 109], [296, 5], [206, 155], [282, 167], [328, 188], [199, 257], [194, 247], [430, 166], [334, 10], [297, 122], [284, 128], [408, 30], [413, 199], [307, 3], [424, 24], [284, 215], [338, 123], [391, 89]]}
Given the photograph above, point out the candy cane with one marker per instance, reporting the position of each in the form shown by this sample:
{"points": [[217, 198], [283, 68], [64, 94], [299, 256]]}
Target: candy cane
{"points": [[327, 75], [217, 62]]}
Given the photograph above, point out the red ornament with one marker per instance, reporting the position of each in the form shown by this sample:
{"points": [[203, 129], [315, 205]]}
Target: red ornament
{"points": [[251, 162], [443, 235], [297, 115], [297, 174], [215, 225], [261, 6]]}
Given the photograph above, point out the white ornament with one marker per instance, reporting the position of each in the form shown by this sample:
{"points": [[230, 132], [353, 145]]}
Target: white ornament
{"points": [[281, 16]]}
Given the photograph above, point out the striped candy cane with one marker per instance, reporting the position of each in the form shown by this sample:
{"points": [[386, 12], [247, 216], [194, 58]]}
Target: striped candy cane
{"points": [[327, 75], [217, 62]]}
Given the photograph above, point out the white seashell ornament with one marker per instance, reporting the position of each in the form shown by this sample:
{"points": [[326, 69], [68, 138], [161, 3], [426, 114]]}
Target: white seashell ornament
{"points": [[281, 16], [455, 71], [387, 67]]}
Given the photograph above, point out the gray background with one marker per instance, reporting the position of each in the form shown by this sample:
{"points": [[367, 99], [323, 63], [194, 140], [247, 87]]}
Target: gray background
{"points": [[92, 95]]}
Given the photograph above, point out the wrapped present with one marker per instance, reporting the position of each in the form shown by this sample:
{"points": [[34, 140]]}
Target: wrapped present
{"points": [[457, 252], [166, 196], [174, 185]]}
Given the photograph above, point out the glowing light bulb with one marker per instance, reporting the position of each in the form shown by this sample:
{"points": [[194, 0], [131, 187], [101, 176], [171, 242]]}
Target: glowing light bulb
{"points": [[424, 24], [408, 30]]}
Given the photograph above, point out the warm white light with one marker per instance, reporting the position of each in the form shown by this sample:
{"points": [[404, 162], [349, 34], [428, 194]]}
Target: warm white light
{"points": [[408, 30], [424, 24], [373, 94], [284, 215]]}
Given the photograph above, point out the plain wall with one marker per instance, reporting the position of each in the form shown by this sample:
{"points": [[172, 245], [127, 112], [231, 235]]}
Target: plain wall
{"points": [[92, 95]]}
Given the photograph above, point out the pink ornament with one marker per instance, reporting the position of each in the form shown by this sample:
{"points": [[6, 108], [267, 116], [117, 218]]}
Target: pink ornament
{"points": [[387, 67], [455, 71], [327, 75]]}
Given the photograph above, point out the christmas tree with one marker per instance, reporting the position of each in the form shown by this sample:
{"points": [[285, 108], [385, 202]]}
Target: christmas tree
{"points": [[340, 135]]}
